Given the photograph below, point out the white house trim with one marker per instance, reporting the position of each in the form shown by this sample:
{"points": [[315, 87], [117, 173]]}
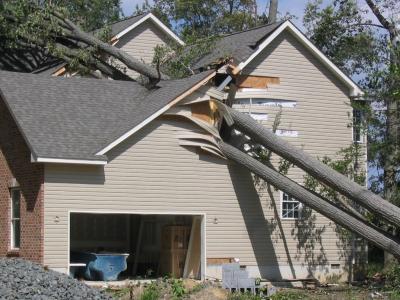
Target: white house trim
{"points": [[68, 161], [354, 89], [157, 22], [155, 115]]}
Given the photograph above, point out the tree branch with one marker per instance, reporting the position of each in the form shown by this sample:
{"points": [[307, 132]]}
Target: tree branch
{"points": [[378, 14], [129, 61]]}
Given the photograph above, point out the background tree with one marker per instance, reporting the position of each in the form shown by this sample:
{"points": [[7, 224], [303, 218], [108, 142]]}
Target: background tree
{"points": [[367, 49], [47, 28], [91, 14]]}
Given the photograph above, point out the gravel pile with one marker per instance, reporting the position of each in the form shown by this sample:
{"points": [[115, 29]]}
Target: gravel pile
{"points": [[21, 279]]}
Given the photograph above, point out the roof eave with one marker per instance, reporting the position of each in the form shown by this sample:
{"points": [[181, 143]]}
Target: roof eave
{"points": [[67, 161]]}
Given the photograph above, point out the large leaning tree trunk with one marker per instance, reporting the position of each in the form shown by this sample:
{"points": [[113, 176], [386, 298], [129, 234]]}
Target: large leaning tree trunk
{"points": [[340, 183], [328, 209]]}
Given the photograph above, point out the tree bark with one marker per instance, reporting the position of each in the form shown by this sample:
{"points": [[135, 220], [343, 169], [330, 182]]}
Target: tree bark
{"points": [[273, 11], [314, 167], [74, 32], [328, 209]]}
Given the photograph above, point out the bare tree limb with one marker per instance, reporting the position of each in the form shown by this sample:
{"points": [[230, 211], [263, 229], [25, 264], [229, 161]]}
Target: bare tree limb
{"points": [[381, 18], [77, 34]]}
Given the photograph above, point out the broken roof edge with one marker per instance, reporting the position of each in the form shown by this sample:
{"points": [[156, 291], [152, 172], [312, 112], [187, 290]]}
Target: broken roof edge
{"points": [[355, 90], [203, 81]]}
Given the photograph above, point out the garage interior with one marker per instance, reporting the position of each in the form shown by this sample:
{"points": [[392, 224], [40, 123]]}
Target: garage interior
{"points": [[158, 245]]}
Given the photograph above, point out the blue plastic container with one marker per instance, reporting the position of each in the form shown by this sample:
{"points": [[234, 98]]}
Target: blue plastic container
{"points": [[101, 266]]}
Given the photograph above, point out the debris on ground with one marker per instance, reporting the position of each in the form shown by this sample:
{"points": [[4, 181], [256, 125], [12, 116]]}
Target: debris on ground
{"points": [[22, 279]]}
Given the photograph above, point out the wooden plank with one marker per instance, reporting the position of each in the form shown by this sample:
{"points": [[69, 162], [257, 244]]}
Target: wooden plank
{"points": [[193, 257], [206, 111], [220, 260], [259, 82], [202, 111]]}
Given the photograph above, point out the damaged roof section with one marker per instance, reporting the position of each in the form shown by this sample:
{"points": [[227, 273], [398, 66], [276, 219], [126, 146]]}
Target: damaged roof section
{"points": [[75, 118], [238, 46]]}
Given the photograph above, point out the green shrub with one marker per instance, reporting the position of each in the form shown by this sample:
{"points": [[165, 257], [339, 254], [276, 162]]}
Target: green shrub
{"points": [[152, 292], [393, 278], [177, 288]]}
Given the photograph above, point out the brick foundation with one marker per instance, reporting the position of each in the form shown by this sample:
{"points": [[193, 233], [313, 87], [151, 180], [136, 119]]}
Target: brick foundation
{"points": [[16, 169]]}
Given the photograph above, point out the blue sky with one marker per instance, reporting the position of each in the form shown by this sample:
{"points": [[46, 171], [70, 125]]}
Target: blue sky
{"points": [[294, 7]]}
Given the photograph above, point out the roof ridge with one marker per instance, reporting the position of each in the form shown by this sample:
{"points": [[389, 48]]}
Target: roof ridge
{"points": [[127, 18], [253, 28]]}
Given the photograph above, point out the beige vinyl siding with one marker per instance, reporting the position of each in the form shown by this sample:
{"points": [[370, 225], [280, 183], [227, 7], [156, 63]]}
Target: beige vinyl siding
{"points": [[322, 114], [141, 41], [150, 172]]}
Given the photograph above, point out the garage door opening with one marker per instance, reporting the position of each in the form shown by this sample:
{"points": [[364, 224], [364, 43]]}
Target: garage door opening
{"points": [[131, 246]]}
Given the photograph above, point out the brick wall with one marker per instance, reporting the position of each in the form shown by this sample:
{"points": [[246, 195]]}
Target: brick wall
{"points": [[16, 168]]}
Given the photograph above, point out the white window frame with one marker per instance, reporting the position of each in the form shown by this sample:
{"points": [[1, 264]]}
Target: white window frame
{"points": [[361, 141], [12, 219], [281, 210]]}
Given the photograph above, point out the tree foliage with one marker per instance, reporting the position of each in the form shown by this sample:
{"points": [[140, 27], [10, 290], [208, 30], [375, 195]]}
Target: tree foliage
{"points": [[49, 29], [367, 49]]}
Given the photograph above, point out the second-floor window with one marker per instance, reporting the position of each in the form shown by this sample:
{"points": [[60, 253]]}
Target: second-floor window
{"points": [[15, 218], [357, 126], [291, 208]]}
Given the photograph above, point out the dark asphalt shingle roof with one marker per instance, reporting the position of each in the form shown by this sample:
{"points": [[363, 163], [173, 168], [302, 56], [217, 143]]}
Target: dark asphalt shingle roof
{"points": [[119, 26], [239, 45], [74, 118]]}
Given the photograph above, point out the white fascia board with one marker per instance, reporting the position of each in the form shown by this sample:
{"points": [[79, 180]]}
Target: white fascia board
{"points": [[155, 115], [68, 161], [157, 22], [354, 89]]}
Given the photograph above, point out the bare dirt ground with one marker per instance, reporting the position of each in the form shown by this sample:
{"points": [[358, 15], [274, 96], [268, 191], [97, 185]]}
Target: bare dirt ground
{"points": [[194, 290]]}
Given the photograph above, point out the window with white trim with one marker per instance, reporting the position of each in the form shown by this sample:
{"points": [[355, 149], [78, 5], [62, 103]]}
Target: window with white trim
{"points": [[291, 208], [15, 218], [357, 124]]}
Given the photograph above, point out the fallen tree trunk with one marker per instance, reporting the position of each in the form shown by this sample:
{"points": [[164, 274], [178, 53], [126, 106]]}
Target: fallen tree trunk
{"points": [[74, 32], [366, 230], [314, 167]]}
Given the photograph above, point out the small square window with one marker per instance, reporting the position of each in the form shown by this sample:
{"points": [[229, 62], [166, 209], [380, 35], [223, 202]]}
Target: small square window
{"points": [[291, 208], [15, 218]]}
